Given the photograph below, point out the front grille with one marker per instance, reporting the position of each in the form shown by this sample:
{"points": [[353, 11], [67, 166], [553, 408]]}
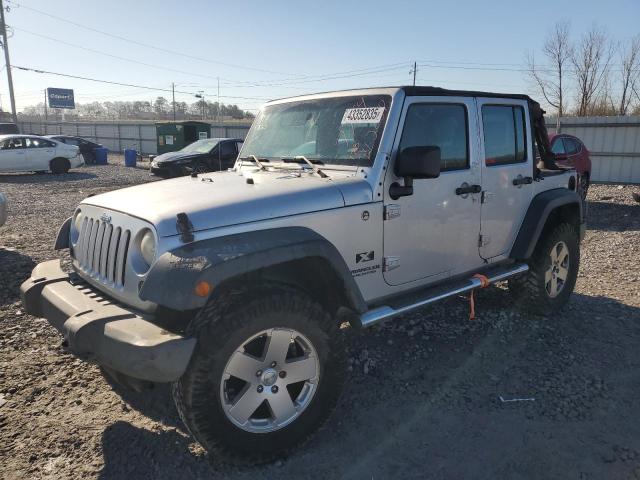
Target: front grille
{"points": [[101, 250]]}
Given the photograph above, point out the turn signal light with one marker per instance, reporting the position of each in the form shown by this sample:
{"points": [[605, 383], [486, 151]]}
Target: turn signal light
{"points": [[203, 288]]}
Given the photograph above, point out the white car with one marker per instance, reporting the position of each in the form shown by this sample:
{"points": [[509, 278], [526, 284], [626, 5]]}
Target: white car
{"points": [[3, 209], [19, 153]]}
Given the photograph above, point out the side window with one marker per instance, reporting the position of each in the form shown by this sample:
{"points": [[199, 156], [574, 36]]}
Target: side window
{"points": [[558, 146], [440, 125], [571, 146], [228, 148], [240, 146], [72, 141], [504, 134], [13, 143]]}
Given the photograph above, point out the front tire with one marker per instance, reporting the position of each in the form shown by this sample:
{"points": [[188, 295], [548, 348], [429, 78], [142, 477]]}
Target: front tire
{"points": [[553, 270], [267, 371]]}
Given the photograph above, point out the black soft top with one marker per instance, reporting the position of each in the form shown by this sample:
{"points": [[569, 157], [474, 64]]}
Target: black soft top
{"points": [[444, 92]]}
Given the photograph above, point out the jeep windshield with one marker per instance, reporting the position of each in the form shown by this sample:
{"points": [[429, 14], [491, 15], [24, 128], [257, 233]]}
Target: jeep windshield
{"points": [[338, 130]]}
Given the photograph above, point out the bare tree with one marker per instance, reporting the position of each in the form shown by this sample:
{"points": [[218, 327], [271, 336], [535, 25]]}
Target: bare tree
{"points": [[591, 59], [558, 51], [630, 59]]}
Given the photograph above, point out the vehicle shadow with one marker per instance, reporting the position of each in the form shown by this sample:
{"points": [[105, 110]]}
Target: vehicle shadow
{"points": [[614, 217], [14, 269], [155, 402], [23, 178]]}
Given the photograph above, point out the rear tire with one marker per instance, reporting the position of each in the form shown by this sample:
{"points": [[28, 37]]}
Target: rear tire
{"points": [[239, 397], [553, 269], [59, 166]]}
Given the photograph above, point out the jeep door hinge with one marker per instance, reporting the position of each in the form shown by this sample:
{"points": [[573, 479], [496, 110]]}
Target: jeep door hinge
{"points": [[391, 211], [390, 263], [484, 240]]}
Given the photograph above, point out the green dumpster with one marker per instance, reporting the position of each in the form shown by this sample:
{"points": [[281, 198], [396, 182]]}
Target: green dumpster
{"points": [[172, 136]]}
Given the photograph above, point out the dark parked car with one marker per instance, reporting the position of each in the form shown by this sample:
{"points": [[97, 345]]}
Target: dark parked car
{"points": [[208, 155], [86, 146], [571, 152]]}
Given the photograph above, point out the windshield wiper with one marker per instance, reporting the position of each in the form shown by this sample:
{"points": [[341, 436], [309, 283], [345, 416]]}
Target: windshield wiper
{"points": [[311, 163], [255, 159]]}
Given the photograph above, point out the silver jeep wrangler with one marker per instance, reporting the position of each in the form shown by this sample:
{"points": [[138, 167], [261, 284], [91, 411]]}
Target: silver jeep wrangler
{"points": [[349, 207]]}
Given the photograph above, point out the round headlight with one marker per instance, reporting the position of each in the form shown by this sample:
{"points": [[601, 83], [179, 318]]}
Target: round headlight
{"points": [[148, 247]]}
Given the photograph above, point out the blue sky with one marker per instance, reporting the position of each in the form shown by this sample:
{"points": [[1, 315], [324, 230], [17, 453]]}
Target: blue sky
{"points": [[284, 46]]}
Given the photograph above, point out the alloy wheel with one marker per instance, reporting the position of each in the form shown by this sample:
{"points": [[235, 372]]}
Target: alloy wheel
{"points": [[269, 380], [556, 276]]}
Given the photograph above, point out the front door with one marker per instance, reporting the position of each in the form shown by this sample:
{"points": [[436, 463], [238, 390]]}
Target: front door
{"points": [[13, 155], [507, 172], [434, 232]]}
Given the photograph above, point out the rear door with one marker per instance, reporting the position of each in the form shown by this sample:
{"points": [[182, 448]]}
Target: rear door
{"points": [[434, 232], [39, 153], [507, 172]]}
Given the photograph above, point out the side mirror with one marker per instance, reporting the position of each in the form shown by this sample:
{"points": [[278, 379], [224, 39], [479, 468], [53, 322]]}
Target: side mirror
{"points": [[415, 162], [418, 162]]}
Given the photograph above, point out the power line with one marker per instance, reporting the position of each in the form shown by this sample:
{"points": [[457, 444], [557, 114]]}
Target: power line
{"points": [[145, 87], [142, 44], [100, 52]]}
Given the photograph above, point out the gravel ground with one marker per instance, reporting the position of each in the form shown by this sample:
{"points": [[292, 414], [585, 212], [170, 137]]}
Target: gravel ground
{"points": [[423, 400]]}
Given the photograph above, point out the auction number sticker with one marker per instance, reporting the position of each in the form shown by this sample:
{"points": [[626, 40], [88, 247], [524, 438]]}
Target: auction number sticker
{"points": [[363, 115]]}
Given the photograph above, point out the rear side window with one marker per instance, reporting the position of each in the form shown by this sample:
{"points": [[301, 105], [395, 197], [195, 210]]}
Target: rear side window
{"points": [[504, 134], [558, 147], [228, 148], [438, 125], [571, 146]]}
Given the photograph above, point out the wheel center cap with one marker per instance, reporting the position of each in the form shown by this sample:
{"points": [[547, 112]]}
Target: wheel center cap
{"points": [[269, 377]]}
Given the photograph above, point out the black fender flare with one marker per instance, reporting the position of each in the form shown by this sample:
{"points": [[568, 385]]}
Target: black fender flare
{"points": [[172, 279], [62, 240], [540, 208]]}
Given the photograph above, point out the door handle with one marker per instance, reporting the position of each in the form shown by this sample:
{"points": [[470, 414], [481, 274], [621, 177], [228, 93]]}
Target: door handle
{"points": [[522, 180], [465, 189]]}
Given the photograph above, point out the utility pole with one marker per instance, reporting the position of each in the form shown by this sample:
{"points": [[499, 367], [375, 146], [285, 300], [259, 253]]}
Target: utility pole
{"points": [[173, 95], [7, 62], [218, 111], [46, 115], [414, 71]]}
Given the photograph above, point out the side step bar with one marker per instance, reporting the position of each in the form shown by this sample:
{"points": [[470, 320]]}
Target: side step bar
{"points": [[436, 294]]}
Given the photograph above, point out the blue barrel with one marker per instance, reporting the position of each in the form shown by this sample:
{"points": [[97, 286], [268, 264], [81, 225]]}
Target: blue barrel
{"points": [[101, 155], [130, 157]]}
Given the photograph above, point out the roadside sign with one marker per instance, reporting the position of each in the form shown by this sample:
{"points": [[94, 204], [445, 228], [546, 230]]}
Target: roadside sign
{"points": [[60, 98]]}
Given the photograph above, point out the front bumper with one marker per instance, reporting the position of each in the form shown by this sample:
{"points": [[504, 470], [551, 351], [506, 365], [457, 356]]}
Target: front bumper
{"points": [[100, 331], [169, 171]]}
